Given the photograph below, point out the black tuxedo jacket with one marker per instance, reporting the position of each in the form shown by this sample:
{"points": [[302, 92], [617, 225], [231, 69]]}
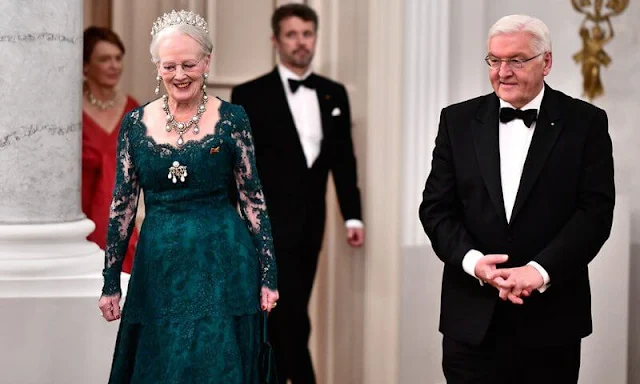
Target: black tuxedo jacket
{"points": [[295, 193], [561, 218]]}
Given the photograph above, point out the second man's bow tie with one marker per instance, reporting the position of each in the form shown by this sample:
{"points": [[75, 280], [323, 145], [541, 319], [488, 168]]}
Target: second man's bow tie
{"points": [[295, 84], [528, 116]]}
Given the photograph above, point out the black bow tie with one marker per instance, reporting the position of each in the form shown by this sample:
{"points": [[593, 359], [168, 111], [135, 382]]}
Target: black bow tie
{"points": [[528, 117], [295, 84]]}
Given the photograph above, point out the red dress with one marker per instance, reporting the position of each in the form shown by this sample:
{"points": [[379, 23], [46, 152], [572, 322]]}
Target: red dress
{"points": [[98, 179]]}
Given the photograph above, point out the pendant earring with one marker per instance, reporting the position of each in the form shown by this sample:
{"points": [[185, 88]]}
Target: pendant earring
{"points": [[157, 90], [205, 76]]}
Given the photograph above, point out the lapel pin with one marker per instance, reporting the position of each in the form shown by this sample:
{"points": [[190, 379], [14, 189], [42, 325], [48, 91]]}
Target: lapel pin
{"points": [[552, 123], [214, 150]]}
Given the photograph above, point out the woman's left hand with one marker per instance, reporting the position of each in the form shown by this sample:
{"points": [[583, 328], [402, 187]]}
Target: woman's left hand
{"points": [[268, 299], [110, 307]]}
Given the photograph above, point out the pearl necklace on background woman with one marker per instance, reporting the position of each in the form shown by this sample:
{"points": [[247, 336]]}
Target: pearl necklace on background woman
{"points": [[101, 105]]}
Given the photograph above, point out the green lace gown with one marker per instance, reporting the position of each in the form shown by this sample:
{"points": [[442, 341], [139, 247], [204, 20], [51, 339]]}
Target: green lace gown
{"points": [[192, 309]]}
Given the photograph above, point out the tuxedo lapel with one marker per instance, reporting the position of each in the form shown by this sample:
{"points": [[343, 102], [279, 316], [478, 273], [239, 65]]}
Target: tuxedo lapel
{"points": [[548, 127], [280, 104], [485, 136], [326, 102], [287, 127]]}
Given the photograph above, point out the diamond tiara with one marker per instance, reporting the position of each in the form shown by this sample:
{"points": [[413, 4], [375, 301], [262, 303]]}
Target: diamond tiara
{"points": [[175, 18]]}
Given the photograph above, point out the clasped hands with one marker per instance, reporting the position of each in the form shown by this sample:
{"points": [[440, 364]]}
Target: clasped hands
{"points": [[513, 284]]}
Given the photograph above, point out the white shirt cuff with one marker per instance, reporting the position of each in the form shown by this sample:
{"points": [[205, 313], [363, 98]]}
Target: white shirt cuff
{"points": [[353, 223], [469, 262], [545, 276]]}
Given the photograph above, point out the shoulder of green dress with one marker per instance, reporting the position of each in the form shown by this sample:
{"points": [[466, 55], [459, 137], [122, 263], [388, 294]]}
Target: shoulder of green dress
{"points": [[238, 116]]}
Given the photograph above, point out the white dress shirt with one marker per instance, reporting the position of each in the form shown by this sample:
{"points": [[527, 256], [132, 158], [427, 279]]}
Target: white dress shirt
{"points": [[305, 110], [515, 139]]}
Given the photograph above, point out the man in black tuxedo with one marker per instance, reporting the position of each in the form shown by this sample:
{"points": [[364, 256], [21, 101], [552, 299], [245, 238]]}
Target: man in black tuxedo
{"points": [[518, 202], [301, 126]]}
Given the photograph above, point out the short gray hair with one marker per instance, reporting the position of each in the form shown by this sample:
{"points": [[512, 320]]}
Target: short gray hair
{"points": [[541, 41], [194, 32]]}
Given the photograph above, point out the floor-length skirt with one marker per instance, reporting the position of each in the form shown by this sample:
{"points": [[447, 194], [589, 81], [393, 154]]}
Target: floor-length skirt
{"points": [[211, 350]]}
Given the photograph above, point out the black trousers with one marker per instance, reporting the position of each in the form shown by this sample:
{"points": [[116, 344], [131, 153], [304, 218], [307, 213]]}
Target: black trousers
{"points": [[499, 359], [289, 322]]}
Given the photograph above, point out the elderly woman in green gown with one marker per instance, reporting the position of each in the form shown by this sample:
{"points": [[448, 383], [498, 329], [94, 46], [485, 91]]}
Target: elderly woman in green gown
{"points": [[202, 272]]}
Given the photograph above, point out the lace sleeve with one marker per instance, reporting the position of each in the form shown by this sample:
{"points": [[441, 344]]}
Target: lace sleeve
{"points": [[251, 198], [122, 212]]}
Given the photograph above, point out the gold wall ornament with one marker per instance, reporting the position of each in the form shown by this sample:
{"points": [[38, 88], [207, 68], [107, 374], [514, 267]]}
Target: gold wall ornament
{"points": [[594, 37]]}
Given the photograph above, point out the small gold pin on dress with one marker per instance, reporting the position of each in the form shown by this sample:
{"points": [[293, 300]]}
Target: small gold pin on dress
{"points": [[177, 171], [214, 150]]}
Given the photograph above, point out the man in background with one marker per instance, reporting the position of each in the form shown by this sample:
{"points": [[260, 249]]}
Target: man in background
{"points": [[301, 125]]}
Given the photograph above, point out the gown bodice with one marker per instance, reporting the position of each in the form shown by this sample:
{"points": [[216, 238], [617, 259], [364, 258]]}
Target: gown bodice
{"points": [[196, 254]]}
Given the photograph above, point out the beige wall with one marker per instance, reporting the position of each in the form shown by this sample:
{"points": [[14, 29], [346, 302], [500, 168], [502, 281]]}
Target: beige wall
{"points": [[96, 13]]}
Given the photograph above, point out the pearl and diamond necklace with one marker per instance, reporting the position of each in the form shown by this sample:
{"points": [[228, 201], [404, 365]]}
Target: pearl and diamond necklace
{"points": [[102, 105], [182, 128]]}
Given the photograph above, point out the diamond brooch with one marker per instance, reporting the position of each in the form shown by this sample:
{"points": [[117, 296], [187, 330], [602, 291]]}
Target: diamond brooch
{"points": [[177, 171]]}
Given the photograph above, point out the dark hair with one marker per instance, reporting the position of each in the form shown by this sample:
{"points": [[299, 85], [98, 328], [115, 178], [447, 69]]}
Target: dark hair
{"points": [[94, 35], [302, 11]]}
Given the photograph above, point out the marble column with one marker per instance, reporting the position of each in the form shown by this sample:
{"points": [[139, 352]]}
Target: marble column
{"points": [[42, 227], [49, 273]]}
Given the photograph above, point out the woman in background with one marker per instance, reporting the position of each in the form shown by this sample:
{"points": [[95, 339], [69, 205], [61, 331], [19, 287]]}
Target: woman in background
{"points": [[103, 107]]}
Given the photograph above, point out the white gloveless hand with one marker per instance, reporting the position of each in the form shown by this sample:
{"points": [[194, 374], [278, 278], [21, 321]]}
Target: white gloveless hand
{"points": [[268, 299], [110, 307]]}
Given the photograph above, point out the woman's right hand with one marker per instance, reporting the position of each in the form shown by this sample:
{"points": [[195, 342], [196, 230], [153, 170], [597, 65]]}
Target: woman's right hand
{"points": [[268, 299], [110, 307]]}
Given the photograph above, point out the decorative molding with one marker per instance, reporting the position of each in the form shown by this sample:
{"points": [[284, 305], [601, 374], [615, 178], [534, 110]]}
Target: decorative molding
{"points": [[594, 37], [49, 260], [22, 242]]}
